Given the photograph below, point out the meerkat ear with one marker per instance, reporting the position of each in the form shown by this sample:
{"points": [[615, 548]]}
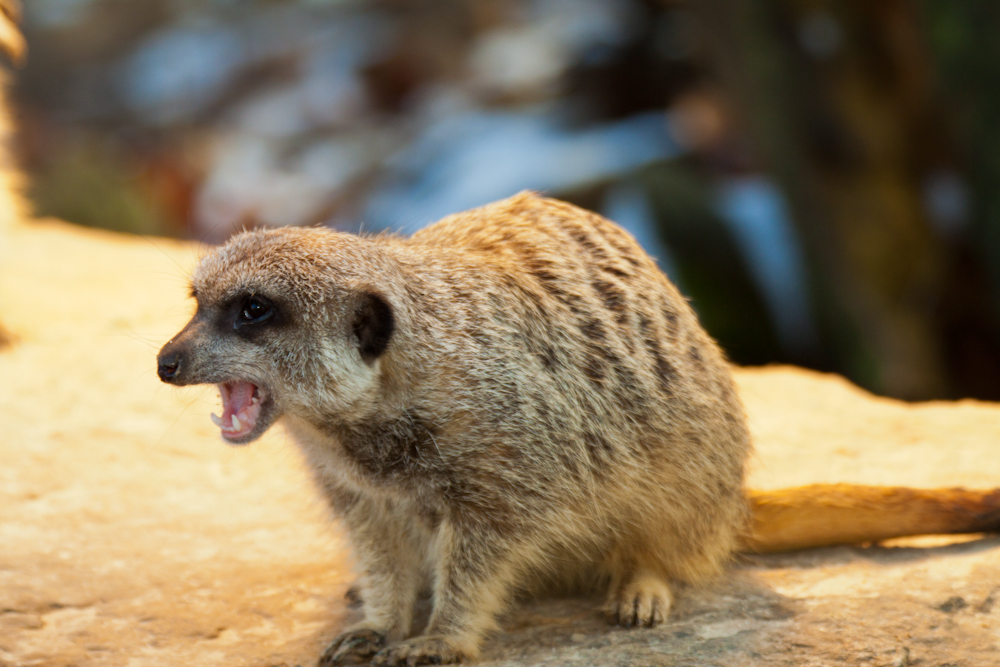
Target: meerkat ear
{"points": [[373, 325]]}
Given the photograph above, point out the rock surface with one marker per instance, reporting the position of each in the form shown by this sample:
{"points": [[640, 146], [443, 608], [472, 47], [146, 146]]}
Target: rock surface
{"points": [[129, 535]]}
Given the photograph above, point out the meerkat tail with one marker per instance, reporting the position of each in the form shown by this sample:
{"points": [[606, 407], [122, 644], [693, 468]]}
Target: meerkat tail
{"points": [[827, 514]]}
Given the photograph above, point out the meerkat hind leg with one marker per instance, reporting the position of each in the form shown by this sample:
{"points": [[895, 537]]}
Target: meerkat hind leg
{"points": [[642, 599]]}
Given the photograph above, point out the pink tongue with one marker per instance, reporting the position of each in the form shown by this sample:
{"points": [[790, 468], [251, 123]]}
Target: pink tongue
{"points": [[240, 394]]}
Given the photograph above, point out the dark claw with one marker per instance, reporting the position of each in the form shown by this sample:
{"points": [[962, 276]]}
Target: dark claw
{"points": [[419, 651], [352, 648]]}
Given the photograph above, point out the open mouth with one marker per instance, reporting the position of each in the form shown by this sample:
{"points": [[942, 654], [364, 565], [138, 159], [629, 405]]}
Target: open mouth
{"points": [[241, 407]]}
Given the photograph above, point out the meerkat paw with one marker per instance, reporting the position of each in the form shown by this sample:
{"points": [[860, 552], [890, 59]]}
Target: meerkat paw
{"points": [[354, 647], [642, 601], [421, 651]]}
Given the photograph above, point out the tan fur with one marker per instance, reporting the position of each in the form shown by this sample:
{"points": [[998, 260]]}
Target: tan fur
{"points": [[12, 205], [12, 44], [548, 411], [514, 399], [13, 208], [826, 514]]}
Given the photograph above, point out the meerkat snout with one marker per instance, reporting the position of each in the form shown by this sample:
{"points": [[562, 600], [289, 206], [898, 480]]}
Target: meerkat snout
{"points": [[167, 366], [281, 331], [206, 352]]}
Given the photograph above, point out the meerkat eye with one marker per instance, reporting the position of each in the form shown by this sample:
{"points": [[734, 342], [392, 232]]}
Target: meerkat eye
{"points": [[255, 310]]}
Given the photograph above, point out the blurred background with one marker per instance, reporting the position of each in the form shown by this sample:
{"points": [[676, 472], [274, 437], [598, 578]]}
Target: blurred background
{"points": [[820, 177]]}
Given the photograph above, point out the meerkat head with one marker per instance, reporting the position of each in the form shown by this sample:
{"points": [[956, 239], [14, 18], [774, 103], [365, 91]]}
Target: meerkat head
{"points": [[288, 321]]}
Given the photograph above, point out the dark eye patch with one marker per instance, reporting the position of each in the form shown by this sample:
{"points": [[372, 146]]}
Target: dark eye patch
{"points": [[256, 310], [250, 314]]}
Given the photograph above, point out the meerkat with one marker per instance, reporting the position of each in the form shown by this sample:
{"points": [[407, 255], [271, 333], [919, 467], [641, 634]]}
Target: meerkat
{"points": [[513, 398]]}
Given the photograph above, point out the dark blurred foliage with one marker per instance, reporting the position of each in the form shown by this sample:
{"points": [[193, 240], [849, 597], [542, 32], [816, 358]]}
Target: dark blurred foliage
{"points": [[818, 176]]}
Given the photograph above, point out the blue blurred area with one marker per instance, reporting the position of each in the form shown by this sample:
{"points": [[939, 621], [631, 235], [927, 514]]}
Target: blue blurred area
{"points": [[628, 205], [202, 60], [474, 158], [772, 159], [757, 215]]}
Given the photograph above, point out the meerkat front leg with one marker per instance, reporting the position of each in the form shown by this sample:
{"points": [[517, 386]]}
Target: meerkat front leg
{"points": [[474, 574], [391, 551]]}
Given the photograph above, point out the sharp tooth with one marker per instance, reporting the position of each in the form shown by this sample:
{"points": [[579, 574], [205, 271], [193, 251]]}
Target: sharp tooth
{"points": [[236, 423], [255, 400], [217, 420]]}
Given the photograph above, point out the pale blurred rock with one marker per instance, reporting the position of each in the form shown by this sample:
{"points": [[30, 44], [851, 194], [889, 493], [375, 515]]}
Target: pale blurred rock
{"points": [[129, 535]]}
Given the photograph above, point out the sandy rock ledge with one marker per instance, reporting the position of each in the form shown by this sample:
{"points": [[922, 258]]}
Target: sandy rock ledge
{"points": [[130, 535]]}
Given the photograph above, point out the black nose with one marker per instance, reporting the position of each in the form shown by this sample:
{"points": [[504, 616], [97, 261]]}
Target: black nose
{"points": [[168, 366]]}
